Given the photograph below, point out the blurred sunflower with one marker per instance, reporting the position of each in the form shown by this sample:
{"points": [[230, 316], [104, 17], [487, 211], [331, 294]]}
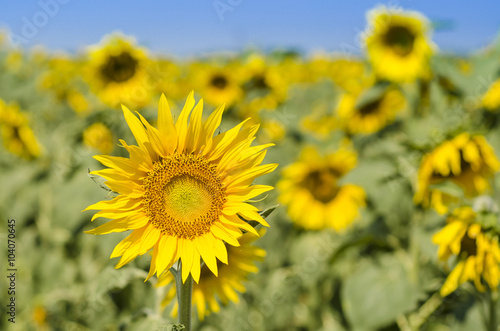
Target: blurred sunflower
{"points": [[182, 190], [39, 318], [166, 75], [98, 136], [272, 131], [218, 83], [240, 263], [491, 99], [321, 122], [117, 73], [397, 45], [468, 161], [60, 75], [478, 254], [359, 115], [264, 85], [77, 101], [60, 78], [350, 75], [315, 198], [17, 136]]}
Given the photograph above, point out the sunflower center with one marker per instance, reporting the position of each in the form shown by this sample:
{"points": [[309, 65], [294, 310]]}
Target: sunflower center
{"points": [[183, 195], [400, 39], [219, 81], [16, 132], [119, 68], [187, 198], [370, 107], [322, 184], [258, 83], [468, 245]]}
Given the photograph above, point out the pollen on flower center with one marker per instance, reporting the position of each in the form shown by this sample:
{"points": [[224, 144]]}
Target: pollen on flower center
{"points": [[187, 198], [183, 195]]}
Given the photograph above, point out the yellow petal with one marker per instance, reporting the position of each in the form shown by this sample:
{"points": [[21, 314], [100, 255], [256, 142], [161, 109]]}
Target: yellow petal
{"points": [[195, 128], [119, 163], [136, 128], [157, 144], [182, 122], [166, 125], [152, 267], [167, 253], [187, 258], [149, 238], [219, 232], [207, 253], [196, 267]]}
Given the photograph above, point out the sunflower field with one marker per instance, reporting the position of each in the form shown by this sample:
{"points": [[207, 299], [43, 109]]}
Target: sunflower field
{"points": [[252, 191]]}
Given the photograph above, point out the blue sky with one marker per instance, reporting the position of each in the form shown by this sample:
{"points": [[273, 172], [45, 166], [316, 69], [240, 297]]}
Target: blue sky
{"points": [[195, 27]]}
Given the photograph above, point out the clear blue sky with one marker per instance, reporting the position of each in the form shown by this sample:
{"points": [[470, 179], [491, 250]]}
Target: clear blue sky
{"points": [[189, 27]]}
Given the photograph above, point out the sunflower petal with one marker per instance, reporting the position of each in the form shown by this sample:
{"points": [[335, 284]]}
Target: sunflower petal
{"points": [[166, 126]]}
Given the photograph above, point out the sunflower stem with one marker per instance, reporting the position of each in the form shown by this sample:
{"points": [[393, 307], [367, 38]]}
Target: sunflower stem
{"points": [[185, 291], [493, 311]]}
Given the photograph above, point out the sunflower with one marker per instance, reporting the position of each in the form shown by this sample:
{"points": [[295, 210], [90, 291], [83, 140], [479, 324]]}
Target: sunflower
{"points": [[98, 136], [350, 75], [372, 115], [240, 263], [264, 85], [17, 136], [60, 75], [168, 75], [467, 161], [491, 99], [477, 252], [117, 72], [321, 122], [218, 83], [182, 191], [397, 45], [315, 198]]}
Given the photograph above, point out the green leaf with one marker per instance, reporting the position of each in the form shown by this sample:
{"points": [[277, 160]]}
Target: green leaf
{"points": [[449, 188], [266, 212], [378, 293]]}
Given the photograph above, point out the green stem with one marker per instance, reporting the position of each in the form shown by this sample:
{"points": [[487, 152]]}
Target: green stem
{"points": [[184, 294], [413, 245], [493, 311]]}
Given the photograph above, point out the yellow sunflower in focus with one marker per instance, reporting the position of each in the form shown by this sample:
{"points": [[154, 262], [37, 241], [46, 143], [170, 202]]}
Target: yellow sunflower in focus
{"points": [[217, 83], [240, 263], [491, 99], [468, 161], [117, 72], [315, 198], [477, 253], [17, 136], [369, 116], [397, 45], [98, 136], [182, 190]]}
